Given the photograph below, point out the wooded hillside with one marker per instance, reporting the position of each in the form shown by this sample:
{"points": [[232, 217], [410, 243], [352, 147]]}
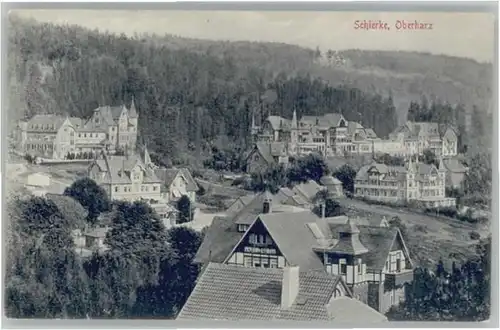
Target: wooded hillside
{"points": [[191, 93]]}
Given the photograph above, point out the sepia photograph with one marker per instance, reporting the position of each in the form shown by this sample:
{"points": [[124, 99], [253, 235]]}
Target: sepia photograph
{"points": [[245, 165]]}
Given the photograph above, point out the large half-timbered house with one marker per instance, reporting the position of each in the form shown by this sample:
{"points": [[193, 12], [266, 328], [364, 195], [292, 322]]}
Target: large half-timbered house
{"points": [[370, 256]]}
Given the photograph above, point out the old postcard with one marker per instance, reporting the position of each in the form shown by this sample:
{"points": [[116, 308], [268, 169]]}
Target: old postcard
{"points": [[328, 166]]}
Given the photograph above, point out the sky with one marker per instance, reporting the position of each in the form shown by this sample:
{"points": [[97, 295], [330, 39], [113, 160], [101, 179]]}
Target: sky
{"points": [[468, 35]]}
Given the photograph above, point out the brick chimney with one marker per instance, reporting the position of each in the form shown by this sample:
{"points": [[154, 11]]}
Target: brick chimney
{"points": [[290, 286]]}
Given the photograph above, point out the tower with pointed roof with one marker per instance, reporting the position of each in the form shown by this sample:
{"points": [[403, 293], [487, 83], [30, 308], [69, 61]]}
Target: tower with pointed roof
{"points": [[348, 255], [294, 134], [133, 124]]}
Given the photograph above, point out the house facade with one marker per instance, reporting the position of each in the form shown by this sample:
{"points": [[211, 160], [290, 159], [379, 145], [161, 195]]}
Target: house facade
{"points": [[372, 259], [129, 178], [266, 154], [413, 182], [329, 135], [49, 136], [54, 136], [455, 172], [419, 136], [177, 182]]}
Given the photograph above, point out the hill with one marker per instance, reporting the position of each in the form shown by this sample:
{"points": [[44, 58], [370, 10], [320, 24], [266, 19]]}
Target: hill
{"points": [[192, 93], [407, 76]]}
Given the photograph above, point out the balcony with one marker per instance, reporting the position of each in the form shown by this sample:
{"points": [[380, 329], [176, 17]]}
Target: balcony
{"points": [[395, 279]]}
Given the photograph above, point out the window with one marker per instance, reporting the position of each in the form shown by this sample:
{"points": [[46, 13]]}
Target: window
{"points": [[343, 268], [247, 261], [273, 263], [252, 239], [116, 189], [360, 267], [242, 228]]}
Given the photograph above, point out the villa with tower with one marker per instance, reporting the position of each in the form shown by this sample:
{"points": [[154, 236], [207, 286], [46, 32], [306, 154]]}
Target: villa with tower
{"points": [[332, 135], [368, 255], [417, 182], [109, 129]]}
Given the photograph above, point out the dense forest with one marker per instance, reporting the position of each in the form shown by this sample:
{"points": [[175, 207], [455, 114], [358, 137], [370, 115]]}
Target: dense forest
{"points": [[192, 93]]}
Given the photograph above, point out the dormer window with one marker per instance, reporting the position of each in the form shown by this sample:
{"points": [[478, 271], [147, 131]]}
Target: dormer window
{"points": [[243, 228], [343, 267]]}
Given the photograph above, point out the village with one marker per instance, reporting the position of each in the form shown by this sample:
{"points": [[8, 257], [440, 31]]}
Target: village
{"points": [[281, 233], [164, 167]]}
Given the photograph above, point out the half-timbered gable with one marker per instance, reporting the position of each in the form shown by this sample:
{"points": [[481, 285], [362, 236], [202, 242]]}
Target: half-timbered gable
{"points": [[257, 249]]}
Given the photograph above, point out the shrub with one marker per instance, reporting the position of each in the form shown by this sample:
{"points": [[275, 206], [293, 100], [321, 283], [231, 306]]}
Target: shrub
{"points": [[474, 235], [420, 228]]}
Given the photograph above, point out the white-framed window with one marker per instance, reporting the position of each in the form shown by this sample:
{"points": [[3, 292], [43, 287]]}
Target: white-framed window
{"points": [[247, 261], [360, 266], [252, 239], [242, 228], [342, 267], [273, 263]]}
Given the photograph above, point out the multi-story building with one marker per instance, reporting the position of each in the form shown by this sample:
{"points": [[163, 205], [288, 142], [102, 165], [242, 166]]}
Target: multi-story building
{"points": [[419, 136], [130, 178], [413, 182], [177, 182], [55, 136], [372, 258], [330, 134], [266, 154], [48, 136]]}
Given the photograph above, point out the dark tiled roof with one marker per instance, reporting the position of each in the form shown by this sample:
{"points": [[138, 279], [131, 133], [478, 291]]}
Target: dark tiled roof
{"points": [[117, 169], [327, 120], [45, 123], [269, 151], [293, 237], [227, 292], [296, 235], [308, 189], [378, 240], [222, 235], [279, 123], [219, 240]]}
